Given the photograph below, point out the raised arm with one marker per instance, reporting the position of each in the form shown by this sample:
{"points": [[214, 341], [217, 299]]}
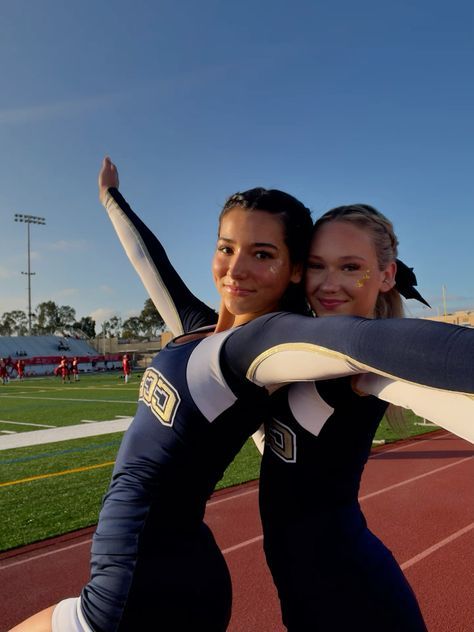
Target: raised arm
{"points": [[284, 347], [179, 308]]}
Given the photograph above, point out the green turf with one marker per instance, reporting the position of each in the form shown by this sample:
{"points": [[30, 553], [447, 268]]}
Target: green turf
{"points": [[48, 401], [34, 510]]}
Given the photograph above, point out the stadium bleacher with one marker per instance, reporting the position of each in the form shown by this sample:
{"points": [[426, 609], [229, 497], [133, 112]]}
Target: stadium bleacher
{"points": [[42, 353]]}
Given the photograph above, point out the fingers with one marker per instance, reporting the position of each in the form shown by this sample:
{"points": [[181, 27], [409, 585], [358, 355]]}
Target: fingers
{"points": [[108, 177]]}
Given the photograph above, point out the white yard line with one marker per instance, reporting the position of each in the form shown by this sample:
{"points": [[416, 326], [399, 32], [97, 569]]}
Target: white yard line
{"points": [[71, 399], [53, 435], [25, 423]]}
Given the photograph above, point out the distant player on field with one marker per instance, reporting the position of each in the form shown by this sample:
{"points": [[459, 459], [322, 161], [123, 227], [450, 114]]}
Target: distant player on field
{"points": [[127, 367], [75, 369]]}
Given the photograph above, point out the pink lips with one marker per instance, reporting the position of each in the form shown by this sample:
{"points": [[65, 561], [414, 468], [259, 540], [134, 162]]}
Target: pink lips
{"points": [[330, 304], [237, 291]]}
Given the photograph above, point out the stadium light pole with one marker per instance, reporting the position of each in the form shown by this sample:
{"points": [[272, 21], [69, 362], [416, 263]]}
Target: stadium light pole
{"points": [[29, 219]]}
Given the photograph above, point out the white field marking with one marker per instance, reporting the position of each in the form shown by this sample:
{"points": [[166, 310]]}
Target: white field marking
{"points": [[408, 563], [435, 547], [411, 562], [231, 497], [41, 555], [71, 399], [8, 432], [25, 423], [415, 478], [242, 544], [411, 445], [253, 491], [53, 435], [93, 421], [89, 540]]}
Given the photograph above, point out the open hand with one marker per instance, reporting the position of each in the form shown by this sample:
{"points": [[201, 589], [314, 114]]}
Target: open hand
{"points": [[108, 177]]}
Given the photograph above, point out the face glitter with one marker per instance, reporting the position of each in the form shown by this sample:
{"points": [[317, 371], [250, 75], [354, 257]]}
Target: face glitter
{"points": [[366, 277]]}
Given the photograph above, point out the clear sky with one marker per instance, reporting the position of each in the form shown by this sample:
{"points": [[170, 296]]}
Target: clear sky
{"points": [[334, 102]]}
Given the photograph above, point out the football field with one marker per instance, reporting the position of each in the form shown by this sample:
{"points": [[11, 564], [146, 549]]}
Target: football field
{"points": [[56, 486]]}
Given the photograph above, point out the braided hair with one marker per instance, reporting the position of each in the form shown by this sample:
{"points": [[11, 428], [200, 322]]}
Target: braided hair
{"points": [[389, 304]]}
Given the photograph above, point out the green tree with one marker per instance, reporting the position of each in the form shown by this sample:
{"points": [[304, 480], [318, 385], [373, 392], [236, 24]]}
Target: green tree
{"points": [[66, 316], [87, 325], [152, 323], [20, 320], [111, 327], [7, 324], [47, 318], [51, 317], [14, 323], [132, 327]]}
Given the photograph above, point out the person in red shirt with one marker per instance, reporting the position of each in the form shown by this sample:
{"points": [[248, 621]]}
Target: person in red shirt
{"points": [[3, 371], [75, 369], [20, 369], [64, 370], [127, 367]]}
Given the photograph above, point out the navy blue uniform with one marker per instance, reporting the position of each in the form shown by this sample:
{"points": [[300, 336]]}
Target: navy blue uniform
{"points": [[155, 564], [331, 572]]}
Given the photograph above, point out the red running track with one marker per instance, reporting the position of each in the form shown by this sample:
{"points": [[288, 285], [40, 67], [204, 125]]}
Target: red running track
{"points": [[418, 497]]}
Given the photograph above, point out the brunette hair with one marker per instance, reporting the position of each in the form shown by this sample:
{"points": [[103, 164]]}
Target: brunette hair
{"points": [[297, 225]]}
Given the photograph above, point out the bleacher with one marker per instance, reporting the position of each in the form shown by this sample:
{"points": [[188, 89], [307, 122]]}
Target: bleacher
{"points": [[42, 353]]}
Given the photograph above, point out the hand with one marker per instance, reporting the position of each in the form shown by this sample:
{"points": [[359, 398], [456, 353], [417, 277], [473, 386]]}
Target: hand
{"points": [[108, 177]]}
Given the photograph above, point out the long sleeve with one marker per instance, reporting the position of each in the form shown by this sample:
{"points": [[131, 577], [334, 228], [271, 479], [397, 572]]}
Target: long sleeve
{"points": [[452, 411], [283, 347], [179, 308]]}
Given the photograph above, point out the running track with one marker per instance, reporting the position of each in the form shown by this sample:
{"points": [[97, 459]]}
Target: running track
{"points": [[418, 496]]}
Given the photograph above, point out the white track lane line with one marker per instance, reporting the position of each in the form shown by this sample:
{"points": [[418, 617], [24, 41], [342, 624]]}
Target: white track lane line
{"points": [[211, 503], [435, 547], [260, 537], [41, 555], [414, 478], [411, 562], [412, 445], [242, 544]]}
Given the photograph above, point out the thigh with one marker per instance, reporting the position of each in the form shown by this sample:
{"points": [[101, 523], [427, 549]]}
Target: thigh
{"points": [[339, 582], [187, 586], [386, 595]]}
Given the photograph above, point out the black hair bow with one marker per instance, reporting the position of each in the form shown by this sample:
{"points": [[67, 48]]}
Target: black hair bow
{"points": [[405, 280]]}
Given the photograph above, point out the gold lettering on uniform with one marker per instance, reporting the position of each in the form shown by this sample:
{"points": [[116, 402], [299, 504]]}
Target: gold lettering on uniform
{"points": [[163, 401], [282, 441], [149, 382], [160, 396]]}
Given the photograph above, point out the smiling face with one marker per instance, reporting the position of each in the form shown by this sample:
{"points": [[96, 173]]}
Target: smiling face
{"points": [[343, 275], [251, 265]]}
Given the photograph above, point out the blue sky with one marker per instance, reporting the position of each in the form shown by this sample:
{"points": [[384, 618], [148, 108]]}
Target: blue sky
{"points": [[334, 102]]}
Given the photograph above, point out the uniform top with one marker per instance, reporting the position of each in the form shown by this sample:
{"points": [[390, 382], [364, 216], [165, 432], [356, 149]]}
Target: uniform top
{"points": [[197, 407], [428, 346]]}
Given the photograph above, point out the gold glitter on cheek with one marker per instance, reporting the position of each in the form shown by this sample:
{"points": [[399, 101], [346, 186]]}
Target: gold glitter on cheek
{"points": [[366, 277], [275, 268]]}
